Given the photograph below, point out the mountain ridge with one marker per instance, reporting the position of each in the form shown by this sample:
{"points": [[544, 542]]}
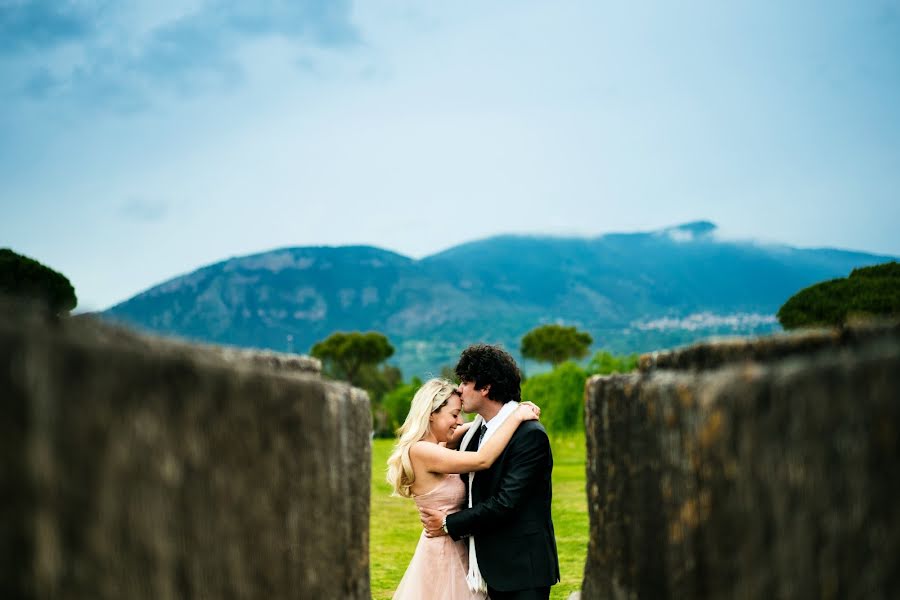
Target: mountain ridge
{"points": [[629, 290]]}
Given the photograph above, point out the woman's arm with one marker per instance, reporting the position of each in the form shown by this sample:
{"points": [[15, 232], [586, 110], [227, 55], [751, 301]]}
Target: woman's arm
{"points": [[438, 459], [453, 443]]}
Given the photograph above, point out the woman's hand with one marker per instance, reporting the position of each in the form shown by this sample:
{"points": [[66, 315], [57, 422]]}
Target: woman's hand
{"points": [[534, 407], [456, 438], [528, 411]]}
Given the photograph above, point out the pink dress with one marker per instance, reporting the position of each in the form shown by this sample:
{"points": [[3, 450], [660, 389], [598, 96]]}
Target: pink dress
{"points": [[438, 568]]}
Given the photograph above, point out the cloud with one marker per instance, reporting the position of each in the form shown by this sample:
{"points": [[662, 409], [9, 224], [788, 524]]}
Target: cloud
{"points": [[115, 56], [143, 210], [185, 51], [37, 24], [40, 83], [325, 22], [690, 232]]}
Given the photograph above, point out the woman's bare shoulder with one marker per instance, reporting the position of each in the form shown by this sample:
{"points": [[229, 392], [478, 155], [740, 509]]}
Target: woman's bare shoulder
{"points": [[421, 447]]}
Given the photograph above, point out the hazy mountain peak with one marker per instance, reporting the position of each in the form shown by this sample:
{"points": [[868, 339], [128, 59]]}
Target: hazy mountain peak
{"points": [[690, 232]]}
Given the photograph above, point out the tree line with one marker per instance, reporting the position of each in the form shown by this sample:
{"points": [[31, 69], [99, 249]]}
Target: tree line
{"points": [[869, 292], [359, 358]]}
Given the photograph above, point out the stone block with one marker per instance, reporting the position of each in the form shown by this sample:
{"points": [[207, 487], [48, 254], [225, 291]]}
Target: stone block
{"points": [[143, 468], [762, 469]]}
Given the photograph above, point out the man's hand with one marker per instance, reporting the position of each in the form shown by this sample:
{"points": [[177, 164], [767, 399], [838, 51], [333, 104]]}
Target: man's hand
{"points": [[433, 521]]}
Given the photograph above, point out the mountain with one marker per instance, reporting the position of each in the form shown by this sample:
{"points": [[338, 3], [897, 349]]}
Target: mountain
{"points": [[633, 292]]}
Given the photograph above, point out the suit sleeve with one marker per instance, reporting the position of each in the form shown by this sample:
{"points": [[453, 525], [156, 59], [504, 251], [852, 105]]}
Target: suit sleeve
{"points": [[529, 460]]}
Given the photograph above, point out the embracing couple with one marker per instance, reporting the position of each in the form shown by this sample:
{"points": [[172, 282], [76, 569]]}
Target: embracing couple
{"points": [[482, 488]]}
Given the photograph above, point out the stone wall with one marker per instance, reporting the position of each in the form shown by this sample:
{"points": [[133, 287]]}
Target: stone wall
{"points": [[135, 467], [764, 469]]}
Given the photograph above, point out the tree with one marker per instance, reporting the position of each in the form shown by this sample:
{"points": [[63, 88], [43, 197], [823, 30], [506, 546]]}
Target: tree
{"points": [[378, 380], [555, 344], [606, 363], [395, 407], [349, 356], [867, 292], [24, 277]]}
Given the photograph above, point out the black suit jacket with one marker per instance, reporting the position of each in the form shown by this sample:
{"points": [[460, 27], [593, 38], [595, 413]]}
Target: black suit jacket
{"points": [[510, 514]]}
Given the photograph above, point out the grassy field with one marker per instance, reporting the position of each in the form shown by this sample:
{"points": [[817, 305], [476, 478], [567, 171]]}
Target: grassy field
{"points": [[395, 526]]}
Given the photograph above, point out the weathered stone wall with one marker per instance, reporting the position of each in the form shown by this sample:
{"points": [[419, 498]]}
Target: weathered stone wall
{"points": [[134, 467], [768, 469]]}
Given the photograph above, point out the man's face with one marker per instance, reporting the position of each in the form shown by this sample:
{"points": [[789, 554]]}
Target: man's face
{"points": [[472, 399]]}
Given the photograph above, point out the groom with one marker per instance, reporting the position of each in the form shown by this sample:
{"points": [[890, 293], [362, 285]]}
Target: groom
{"points": [[514, 548]]}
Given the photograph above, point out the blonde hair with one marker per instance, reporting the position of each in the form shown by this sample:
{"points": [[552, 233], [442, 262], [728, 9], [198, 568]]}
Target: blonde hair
{"points": [[428, 399]]}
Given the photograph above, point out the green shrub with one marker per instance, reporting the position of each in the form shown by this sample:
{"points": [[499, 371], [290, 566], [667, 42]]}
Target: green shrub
{"points": [[867, 292], [23, 277], [394, 408], [560, 394], [606, 363]]}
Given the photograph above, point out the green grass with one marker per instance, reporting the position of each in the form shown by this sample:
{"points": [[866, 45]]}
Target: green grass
{"points": [[395, 526]]}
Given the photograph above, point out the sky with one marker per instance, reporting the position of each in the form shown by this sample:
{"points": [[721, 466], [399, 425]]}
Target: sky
{"points": [[143, 139]]}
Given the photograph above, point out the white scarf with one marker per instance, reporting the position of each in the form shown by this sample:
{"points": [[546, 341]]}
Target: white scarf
{"points": [[474, 579]]}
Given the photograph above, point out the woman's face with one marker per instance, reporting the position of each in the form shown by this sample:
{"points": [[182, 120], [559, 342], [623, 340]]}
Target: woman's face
{"points": [[445, 421]]}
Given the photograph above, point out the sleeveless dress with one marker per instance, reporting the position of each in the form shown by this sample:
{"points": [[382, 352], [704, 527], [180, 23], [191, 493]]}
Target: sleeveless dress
{"points": [[438, 568]]}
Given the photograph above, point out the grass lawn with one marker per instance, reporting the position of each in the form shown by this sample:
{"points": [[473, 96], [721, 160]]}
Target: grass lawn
{"points": [[395, 526]]}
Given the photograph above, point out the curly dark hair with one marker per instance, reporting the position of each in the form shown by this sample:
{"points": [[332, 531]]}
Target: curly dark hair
{"points": [[491, 365]]}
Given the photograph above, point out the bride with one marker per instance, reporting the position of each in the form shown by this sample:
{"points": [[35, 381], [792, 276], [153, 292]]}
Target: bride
{"points": [[425, 466]]}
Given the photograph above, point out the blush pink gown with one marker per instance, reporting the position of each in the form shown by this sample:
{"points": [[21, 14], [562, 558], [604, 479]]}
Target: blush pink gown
{"points": [[438, 568]]}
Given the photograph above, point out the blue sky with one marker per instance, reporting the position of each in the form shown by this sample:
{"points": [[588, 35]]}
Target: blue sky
{"points": [[141, 140]]}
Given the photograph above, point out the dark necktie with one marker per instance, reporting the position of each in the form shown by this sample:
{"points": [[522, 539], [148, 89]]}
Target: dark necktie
{"points": [[481, 434]]}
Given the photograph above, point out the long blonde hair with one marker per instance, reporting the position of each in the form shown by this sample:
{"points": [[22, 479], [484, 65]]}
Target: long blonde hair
{"points": [[429, 399]]}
